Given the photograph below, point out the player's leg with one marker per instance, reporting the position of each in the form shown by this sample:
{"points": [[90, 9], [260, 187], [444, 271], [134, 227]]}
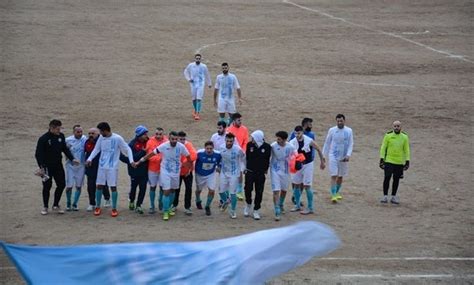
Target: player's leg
{"points": [[174, 185], [165, 183], [308, 170], [78, 180], [397, 173], [197, 193], [223, 190], [111, 180], [276, 204], [177, 191], [142, 182], [153, 178], [91, 187], [259, 186], [60, 180], [132, 194], [297, 180], [388, 171], [106, 194], [249, 183], [188, 191], [47, 185], [233, 182], [69, 185]]}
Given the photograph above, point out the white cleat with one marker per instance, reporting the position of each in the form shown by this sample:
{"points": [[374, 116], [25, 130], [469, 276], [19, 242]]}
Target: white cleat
{"points": [[256, 215]]}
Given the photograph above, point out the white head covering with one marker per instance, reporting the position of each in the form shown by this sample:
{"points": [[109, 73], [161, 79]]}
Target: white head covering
{"points": [[258, 137]]}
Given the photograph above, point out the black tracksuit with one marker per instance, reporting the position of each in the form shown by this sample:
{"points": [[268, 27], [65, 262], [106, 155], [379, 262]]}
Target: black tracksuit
{"points": [[48, 155], [139, 175], [91, 173], [258, 161]]}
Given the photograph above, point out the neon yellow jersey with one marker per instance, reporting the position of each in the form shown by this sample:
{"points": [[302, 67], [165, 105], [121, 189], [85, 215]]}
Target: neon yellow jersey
{"points": [[395, 148]]}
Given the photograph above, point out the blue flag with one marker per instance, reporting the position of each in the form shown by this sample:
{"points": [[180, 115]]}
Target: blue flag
{"points": [[247, 259]]}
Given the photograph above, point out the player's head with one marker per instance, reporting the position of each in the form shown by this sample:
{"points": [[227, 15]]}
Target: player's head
{"points": [[55, 126], [221, 125], [299, 132], [93, 133], [159, 133], [340, 121], [237, 119], [229, 140], [397, 127], [104, 129], [209, 147], [225, 67], [182, 137], [141, 133], [281, 136], [307, 124], [197, 58], [77, 131], [173, 137]]}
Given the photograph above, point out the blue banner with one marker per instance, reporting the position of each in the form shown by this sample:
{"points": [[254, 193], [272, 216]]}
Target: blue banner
{"points": [[247, 259]]}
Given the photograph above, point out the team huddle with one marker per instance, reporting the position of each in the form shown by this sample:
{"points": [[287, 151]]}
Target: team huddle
{"points": [[231, 162]]}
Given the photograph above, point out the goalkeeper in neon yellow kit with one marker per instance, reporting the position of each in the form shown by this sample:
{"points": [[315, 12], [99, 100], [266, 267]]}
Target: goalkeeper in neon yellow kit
{"points": [[394, 159]]}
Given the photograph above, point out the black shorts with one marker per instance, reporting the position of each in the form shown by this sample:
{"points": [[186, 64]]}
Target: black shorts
{"points": [[393, 169]]}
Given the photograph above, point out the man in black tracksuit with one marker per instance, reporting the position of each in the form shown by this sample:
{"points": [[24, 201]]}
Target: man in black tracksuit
{"points": [[258, 160], [49, 158]]}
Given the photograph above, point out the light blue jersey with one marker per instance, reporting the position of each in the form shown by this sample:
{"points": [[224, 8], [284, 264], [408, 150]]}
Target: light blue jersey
{"points": [[226, 84], [206, 163], [281, 156], [233, 161], [76, 146], [109, 149], [339, 143]]}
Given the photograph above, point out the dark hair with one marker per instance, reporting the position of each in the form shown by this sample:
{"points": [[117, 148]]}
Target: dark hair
{"points": [[298, 128], [222, 123], [225, 64], [209, 143], [282, 134], [181, 134], [55, 123], [104, 126], [236, 116], [75, 126], [340, 116], [197, 54], [173, 133], [229, 136], [306, 120], [159, 129]]}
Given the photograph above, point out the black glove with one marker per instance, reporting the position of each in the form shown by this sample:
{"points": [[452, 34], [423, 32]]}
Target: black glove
{"points": [[381, 164], [298, 165], [407, 165]]}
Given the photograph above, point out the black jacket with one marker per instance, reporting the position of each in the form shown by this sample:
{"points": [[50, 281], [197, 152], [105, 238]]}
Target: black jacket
{"points": [[49, 149], [91, 171], [258, 158], [138, 150]]}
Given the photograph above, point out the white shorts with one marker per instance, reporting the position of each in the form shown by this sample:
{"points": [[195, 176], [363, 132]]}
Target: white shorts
{"points": [[206, 181], [304, 175], [338, 168], [228, 183], [74, 175], [153, 178], [226, 106], [168, 181], [107, 177], [197, 92], [280, 180]]}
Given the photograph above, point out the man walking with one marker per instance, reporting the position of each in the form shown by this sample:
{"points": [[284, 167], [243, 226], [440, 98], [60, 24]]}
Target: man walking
{"points": [[394, 159], [226, 83], [75, 173], [154, 168], [186, 175], [241, 134], [197, 74], [218, 138], [338, 150]]}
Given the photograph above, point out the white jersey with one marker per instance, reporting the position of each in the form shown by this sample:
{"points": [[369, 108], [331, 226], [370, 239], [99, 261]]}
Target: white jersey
{"points": [[198, 73], [171, 157], [281, 156], [233, 161], [226, 84], [218, 141], [76, 146], [110, 148], [339, 143]]}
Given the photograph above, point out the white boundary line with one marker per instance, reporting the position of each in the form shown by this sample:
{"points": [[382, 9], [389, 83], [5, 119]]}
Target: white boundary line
{"points": [[461, 57], [401, 258], [407, 276]]}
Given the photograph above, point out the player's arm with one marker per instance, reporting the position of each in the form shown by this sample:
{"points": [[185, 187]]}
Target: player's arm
{"points": [[187, 74], [320, 154], [216, 91], [208, 78], [40, 152], [406, 148], [95, 151], [65, 149], [383, 152], [349, 147], [125, 148], [327, 144]]}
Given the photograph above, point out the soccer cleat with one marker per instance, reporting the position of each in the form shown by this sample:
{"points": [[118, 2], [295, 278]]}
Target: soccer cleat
{"points": [[139, 210], [75, 208], [334, 199], [58, 210], [188, 212], [44, 211], [277, 217], [196, 117], [151, 211], [199, 205], [282, 210], [338, 196], [247, 210], [131, 206], [256, 215], [240, 196], [295, 209], [306, 212], [171, 211], [166, 216], [68, 208], [114, 213], [107, 203], [384, 200], [224, 206], [394, 200], [90, 208], [208, 211], [233, 215], [97, 211]]}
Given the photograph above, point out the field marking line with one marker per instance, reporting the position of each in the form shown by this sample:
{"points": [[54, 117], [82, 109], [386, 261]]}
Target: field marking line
{"points": [[401, 258], [424, 275], [461, 57]]}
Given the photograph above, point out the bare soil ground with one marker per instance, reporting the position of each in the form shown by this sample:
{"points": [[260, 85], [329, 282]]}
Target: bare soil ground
{"points": [[375, 61]]}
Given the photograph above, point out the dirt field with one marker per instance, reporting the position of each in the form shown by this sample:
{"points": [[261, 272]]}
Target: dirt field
{"points": [[375, 61]]}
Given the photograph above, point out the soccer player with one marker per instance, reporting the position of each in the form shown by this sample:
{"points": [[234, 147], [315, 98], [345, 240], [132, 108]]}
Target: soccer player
{"points": [[231, 172], [226, 83], [303, 178], [75, 173], [186, 175], [394, 159], [338, 150], [48, 156], [109, 145], [138, 175], [91, 171], [206, 163], [171, 152], [257, 155], [241, 134], [154, 163], [218, 139], [282, 152], [197, 74]]}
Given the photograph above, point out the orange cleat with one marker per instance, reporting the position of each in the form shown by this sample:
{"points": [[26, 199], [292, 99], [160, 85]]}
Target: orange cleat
{"points": [[97, 212], [114, 213]]}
